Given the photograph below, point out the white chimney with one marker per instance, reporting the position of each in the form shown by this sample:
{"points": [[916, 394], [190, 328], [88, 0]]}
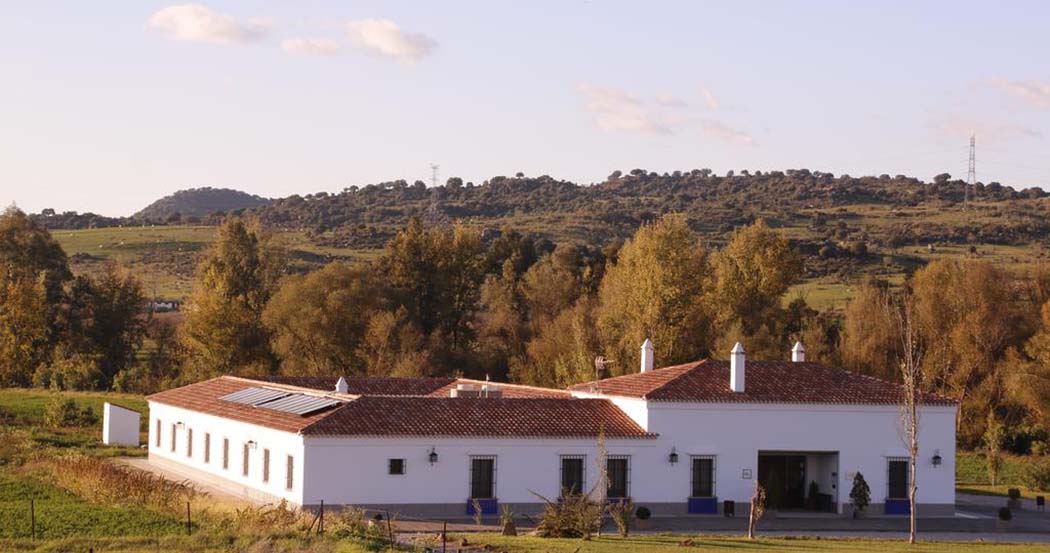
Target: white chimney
{"points": [[798, 353], [341, 387], [647, 355], [736, 368]]}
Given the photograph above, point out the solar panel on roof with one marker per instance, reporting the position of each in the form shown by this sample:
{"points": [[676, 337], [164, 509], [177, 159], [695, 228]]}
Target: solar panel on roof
{"points": [[254, 396], [299, 404]]}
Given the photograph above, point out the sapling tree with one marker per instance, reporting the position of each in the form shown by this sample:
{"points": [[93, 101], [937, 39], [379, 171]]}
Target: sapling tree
{"points": [[911, 393], [758, 508], [859, 494]]}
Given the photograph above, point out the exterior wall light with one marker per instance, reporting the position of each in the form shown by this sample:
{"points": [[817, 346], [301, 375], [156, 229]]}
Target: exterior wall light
{"points": [[433, 456], [673, 457], [936, 458], [180, 424], [251, 444]]}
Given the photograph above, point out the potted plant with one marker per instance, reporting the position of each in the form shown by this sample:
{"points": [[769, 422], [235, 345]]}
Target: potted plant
{"points": [[812, 498], [1014, 501], [642, 516], [1005, 515], [859, 495]]}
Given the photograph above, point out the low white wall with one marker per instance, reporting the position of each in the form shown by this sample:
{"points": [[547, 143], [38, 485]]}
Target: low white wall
{"points": [[120, 426], [862, 436], [355, 471], [280, 444]]}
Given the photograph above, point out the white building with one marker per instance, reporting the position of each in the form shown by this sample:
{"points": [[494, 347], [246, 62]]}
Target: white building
{"points": [[681, 439]]}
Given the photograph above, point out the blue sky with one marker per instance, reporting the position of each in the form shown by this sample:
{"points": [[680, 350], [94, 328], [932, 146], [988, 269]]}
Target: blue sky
{"points": [[106, 106]]}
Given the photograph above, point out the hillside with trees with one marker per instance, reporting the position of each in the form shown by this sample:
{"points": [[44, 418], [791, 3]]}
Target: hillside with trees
{"points": [[196, 203]]}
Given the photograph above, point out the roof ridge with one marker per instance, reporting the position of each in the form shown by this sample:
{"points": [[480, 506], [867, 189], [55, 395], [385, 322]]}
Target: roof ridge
{"points": [[696, 365]]}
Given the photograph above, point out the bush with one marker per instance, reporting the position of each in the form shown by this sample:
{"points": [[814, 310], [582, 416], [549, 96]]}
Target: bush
{"points": [[1013, 493], [643, 513], [621, 512], [1036, 475], [575, 516], [65, 412], [1005, 513]]}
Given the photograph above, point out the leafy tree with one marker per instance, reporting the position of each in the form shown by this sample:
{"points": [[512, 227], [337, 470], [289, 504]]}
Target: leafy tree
{"points": [[394, 346], [319, 321], [751, 274], [223, 332], [869, 341], [24, 328], [1029, 381], [655, 290], [104, 321], [563, 351]]}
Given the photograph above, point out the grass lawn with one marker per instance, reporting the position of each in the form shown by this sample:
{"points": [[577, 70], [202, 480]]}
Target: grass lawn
{"points": [[971, 475], [61, 515], [658, 543]]}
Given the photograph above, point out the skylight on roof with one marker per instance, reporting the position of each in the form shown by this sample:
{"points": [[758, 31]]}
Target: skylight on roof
{"points": [[280, 400]]}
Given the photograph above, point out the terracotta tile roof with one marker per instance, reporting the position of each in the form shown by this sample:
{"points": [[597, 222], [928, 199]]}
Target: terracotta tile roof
{"points": [[766, 382], [506, 390], [368, 386], [475, 417], [203, 397], [437, 387]]}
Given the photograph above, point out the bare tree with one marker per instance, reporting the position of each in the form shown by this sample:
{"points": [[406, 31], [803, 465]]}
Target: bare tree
{"points": [[601, 487], [758, 508], [911, 395]]}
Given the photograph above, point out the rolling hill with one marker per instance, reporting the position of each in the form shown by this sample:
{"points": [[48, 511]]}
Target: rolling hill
{"points": [[199, 203]]}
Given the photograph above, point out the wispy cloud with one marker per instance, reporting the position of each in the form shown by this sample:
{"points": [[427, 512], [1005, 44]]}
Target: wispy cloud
{"points": [[987, 131], [313, 46], [709, 98], [670, 101], [721, 131], [1033, 92], [197, 23], [617, 110], [384, 38]]}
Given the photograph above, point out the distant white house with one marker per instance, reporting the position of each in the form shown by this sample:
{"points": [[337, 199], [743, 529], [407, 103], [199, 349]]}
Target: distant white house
{"points": [[120, 425], [681, 439]]}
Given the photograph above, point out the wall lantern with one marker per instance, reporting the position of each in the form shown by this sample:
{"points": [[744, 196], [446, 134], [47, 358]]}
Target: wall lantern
{"points": [[936, 458], [673, 457], [433, 456], [251, 444], [180, 424]]}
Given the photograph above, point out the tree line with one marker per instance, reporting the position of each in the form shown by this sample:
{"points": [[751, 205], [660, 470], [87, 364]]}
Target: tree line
{"points": [[443, 300]]}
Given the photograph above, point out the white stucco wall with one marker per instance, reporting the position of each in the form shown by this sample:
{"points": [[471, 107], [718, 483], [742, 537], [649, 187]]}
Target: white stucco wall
{"points": [[356, 470], [863, 437], [280, 444], [120, 426]]}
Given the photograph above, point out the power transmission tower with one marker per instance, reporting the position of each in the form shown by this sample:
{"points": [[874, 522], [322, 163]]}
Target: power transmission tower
{"points": [[434, 175], [971, 176]]}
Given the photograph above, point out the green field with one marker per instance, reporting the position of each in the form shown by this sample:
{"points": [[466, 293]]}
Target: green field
{"points": [[164, 257], [669, 543]]}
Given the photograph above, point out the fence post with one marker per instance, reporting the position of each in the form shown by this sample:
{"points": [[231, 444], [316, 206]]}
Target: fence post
{"points": [[390, 530], [444, 535], [32, 517], [189, 527], [320, 526]]}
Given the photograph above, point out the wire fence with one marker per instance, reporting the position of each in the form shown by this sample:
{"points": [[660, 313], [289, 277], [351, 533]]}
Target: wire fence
{"points": [[381, 529]]}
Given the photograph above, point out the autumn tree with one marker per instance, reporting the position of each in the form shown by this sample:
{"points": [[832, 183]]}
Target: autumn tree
{"points": [[318, 321], [964, 318], [1029, 380], [751, 275], [656, 290], [869, 342], [224, 332]]}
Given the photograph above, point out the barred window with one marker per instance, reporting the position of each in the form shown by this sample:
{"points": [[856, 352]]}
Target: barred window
{"points": [[572, 474], [618, 470], [266, 465], [173, 429], [207, 447], [482, 477], [244, 460], [897, 480], [157, 432], [225, 454], [189, 442], [703, 475], [289, 474], [395, 466]]}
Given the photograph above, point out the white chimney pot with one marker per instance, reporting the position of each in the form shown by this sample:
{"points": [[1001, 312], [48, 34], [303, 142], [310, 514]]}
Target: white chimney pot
{"points": [[341, 387], [798, 353], [647, 356], [737, 362]]}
